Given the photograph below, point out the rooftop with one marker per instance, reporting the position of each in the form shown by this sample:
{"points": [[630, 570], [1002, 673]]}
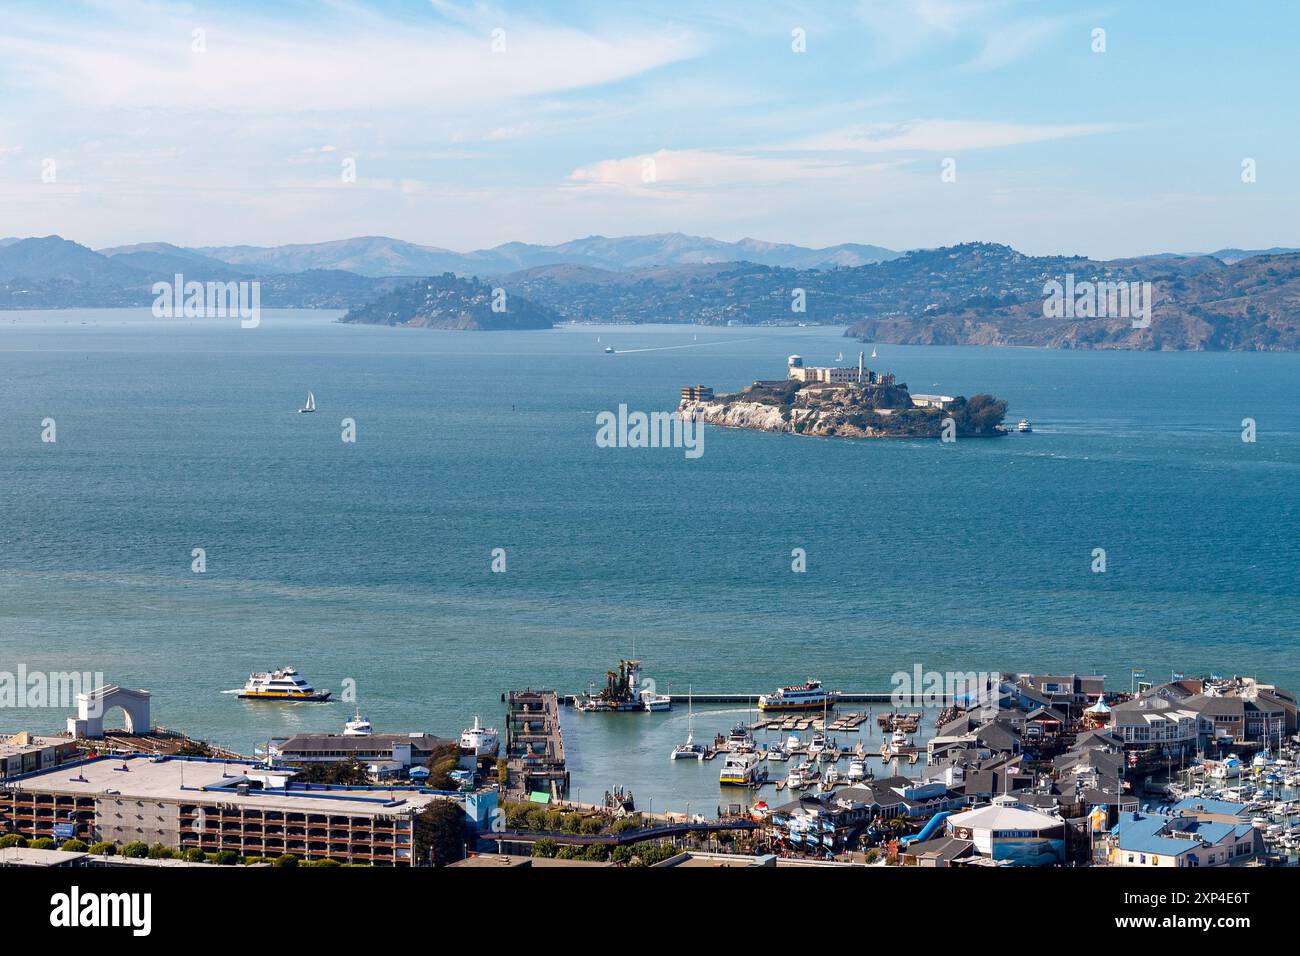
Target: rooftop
{"points": [[145, 779]]}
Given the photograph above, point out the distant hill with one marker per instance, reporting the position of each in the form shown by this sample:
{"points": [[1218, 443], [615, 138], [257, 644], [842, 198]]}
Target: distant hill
{"points": [[451, 302], [381, 256], [1232, 256], [1252, 305], [163, 260], [53, 257]]}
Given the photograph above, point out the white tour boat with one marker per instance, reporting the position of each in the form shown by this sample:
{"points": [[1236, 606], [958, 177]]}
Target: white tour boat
{"points": [[483, 741], [742, 770], [809, 695]]}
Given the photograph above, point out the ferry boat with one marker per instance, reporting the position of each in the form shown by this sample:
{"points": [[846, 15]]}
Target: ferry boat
{"points": [[310, 406], [484, 741], [284, 684], [1024, 426], [742, 770], [807, 696], [358, 726]]}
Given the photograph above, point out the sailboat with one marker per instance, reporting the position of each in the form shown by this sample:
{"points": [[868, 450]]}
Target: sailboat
{"points": [[310, 406], [690, 749], [873, 353]]}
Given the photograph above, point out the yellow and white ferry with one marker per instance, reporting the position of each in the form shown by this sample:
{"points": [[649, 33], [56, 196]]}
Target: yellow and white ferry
{"points": [[284, 684], [809, 695]]}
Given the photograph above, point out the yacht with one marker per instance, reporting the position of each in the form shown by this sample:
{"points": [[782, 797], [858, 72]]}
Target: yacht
{"points": [[740, 740], [829, 779], [793, 743], [484, 741], [656, 702], [777, 752], [310, 406], [284, 684], [1024, 426], [809, 695], [818, 744], [898, 742], [742, 770], [689, 750], [796, 780], [358, 726], [609, 350], [857, 770]]}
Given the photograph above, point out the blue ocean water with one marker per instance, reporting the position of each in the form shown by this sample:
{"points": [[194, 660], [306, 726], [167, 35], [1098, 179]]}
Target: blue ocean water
{"points": [[371, 561]]}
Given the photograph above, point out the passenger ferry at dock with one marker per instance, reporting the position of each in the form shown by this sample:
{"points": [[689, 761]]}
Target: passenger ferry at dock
{"points": [[743, 770], [806, 696], [284, 684]]}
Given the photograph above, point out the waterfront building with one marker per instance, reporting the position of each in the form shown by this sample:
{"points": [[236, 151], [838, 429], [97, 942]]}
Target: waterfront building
{"points": [[855, 374], [1010, 833], [1182, 840], [697, 393], [384, 753], [932, 401], [24, 752], [212, 805]]}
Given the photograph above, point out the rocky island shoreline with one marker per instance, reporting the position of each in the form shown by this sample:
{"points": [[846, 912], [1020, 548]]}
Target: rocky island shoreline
{"points": [[844, 403]]}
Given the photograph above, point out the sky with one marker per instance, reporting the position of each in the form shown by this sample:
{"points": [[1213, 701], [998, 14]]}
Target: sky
{"points": [[901, 123]]}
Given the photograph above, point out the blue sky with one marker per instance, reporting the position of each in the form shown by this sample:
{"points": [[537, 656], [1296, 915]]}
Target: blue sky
{"points": [[621, 119]]}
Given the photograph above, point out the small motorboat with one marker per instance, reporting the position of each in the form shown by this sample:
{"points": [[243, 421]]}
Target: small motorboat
{"points": [[1024, 426]]}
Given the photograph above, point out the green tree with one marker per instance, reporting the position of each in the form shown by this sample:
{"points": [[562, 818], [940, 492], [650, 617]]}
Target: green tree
{"points": [[136, 850], [287, 859], [43, 843], [545, 847], [440, 833], [12, 839], [227, 858], [193, 855], [74, 846], [103, 848], [160, 852]]}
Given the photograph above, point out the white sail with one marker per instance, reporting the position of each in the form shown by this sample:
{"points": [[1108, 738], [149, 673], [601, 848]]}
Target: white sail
{"points": [[311, 402]]}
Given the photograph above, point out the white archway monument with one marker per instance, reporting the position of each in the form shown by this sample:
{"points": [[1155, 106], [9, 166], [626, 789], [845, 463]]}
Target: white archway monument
{"points": [[91, 707]]}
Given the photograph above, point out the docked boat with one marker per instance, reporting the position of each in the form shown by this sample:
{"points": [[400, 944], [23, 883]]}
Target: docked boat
{"points": [[898, 742], [740, 740], [857, 770], [742, 770], [809, 695], [622, 691], [656, 703], [829, 779], [358, 726], [310, 406], [796, 779], [689, 750], [284, 684], [1024, 426], [818, 744], [793, 743], [483, 741], [777, 752]]}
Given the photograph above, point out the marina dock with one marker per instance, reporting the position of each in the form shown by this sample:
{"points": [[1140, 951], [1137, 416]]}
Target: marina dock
{"points": [[751, 700]]}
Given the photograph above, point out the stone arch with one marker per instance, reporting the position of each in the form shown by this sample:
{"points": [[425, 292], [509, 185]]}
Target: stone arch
{"points": [[91, 707]]}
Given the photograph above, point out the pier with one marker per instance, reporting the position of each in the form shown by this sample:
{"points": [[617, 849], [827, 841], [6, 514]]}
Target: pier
{"points": [[535, 744], [751, 700]]}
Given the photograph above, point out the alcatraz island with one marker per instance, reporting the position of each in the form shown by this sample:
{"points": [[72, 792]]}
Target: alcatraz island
{"points": [[844, 402]]}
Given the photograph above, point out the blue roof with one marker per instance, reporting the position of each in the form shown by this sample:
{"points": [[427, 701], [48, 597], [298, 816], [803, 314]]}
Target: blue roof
{"points": [[1207, 805], [1148, 833]]}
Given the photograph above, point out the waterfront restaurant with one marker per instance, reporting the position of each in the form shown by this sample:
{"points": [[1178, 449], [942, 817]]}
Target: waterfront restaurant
{"points": [[1184, 840], [1008, 832]]}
